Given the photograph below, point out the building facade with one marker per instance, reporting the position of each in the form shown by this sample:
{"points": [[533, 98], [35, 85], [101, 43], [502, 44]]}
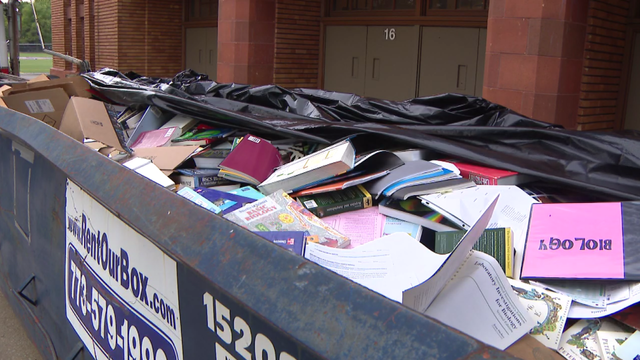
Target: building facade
{"points": [[570, 62]]}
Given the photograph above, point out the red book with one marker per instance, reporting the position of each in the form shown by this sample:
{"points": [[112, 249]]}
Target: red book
{"points": [[482, 175], [251, 161]]}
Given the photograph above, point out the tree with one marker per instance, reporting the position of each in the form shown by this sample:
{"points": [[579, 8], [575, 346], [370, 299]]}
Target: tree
{"points": [[28, 30]]}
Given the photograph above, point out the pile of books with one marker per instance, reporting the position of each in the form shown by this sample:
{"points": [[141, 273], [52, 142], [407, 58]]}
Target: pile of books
{"points": [[486, 251]]}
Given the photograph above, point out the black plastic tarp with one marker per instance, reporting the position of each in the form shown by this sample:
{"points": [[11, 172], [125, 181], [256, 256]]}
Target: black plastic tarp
{"points": [[604, 164]]}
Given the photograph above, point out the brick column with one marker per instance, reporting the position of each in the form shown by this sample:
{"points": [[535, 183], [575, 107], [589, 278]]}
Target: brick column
{"points": [[61, 36], [535, 51], [246, 35]]}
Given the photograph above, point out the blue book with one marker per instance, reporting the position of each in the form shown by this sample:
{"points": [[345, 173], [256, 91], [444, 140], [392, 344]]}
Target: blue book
{"points": [[191, 195], [226, 201], [293, 241], [441, 175], [248, 191]]}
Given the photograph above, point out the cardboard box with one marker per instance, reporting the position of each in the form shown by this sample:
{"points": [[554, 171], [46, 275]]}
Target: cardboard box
{"points": [[45, 105], [73, 86], [44, 100], [167, 158], [89, 119], [39, 78]]}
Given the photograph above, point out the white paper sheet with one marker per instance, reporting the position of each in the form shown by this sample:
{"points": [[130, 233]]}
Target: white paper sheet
{"points": [[387, 265], [513, 210], [581, 311], [420, 297], [361, 226], [480, 302]]}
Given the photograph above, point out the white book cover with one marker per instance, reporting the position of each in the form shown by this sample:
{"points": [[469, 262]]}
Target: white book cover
{"points": [[311, 168], [548, 310], [610, 341], [580, 342], [630, 349], [149, 170]]}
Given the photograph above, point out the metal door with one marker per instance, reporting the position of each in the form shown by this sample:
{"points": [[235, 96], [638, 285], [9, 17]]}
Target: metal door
{"points": [[449, 60], [196, 45], [392, 62], [212, 52], [345, 54]]}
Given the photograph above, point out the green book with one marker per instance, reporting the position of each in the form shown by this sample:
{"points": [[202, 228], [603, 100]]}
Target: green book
{"points": [[495, 242], [337, 202]]}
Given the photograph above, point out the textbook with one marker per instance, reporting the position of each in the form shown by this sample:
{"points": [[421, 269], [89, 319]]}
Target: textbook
{"points": [[548, 309], [279, 212], [337, 184], [155, 138], [410, 174], [580, 341], [226, 201], [413, 211], [194, 178], [320, 165], [583, 241], [336, 202], [483, 175], [293, 241], [495, 242], [432, 188], [251, 161], [191, 195], [181, 122]]}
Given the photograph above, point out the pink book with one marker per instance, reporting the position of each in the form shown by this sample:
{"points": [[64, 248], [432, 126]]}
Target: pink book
{"points": [[251, 161], [155, 138], [583, 241]]}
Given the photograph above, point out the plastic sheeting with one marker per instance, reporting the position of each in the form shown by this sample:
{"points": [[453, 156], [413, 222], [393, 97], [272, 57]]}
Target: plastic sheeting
{"points": [[603, 164]]}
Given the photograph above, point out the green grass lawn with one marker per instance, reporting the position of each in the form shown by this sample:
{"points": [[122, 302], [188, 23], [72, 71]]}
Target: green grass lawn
{"points": [[36, 66], [35, 54]]}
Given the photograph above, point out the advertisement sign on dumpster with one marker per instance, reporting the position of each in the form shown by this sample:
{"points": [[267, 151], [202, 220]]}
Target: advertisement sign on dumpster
{"points": [[121, 289]]}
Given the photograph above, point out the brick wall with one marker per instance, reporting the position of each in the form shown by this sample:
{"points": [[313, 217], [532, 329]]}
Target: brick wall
{"points": [[61, 31], [150, 37], [57, 31], [603, 58], [164, 38], [534, 57], [89, 32], [106, 34], [144, 36], [297, 47]]}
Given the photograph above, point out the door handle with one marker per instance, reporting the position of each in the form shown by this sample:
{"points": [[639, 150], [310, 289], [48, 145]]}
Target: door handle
{"points": [[354, 67], [375, 74], [210, 56]]}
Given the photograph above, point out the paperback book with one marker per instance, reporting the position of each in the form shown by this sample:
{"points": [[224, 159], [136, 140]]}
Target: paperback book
{"points": [[336, 202], [495, 242], [279, 212], [293, 241], [549, 310]]}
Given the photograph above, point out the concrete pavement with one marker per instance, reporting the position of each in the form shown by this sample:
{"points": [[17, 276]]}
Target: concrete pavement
{"points": [[14, 342]]}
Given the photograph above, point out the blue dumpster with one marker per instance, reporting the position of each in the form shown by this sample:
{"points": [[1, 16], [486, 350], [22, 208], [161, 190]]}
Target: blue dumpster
{"points": [[99, 262]]}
